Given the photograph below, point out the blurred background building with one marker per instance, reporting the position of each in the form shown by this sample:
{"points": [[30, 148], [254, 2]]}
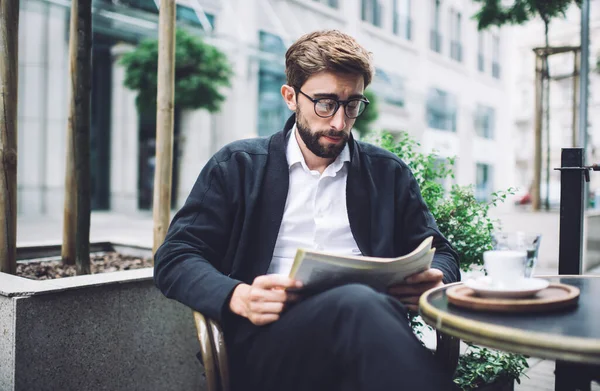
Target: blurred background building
{"points": [[563, 32], [437, 78]]}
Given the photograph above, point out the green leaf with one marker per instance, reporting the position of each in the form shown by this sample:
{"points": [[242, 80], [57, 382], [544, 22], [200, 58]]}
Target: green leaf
{"points": [[201, 72], [495, 13]]}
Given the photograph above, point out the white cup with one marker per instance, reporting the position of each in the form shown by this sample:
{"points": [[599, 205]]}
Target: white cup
{"points": [[505, 268]]}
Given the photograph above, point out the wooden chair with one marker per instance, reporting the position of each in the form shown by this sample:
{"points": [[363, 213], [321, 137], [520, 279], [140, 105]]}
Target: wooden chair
{"points": [[216, 368]]}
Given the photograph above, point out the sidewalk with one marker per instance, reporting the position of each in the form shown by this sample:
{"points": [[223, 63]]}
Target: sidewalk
{"points": [[134, 229]]}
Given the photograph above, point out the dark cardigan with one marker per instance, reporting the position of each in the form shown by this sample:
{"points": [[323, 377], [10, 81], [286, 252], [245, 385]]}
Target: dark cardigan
{"points": [[226, 231]]}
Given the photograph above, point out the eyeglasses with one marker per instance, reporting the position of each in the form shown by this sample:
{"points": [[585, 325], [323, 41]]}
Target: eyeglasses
{"points": [[327, 107]]}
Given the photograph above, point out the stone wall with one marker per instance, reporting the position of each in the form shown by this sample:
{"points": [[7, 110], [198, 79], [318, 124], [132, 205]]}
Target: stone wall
{"points": [[119, 335]]}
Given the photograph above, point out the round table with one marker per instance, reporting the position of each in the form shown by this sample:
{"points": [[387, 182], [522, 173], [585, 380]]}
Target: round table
{"points": [[571, 335]]}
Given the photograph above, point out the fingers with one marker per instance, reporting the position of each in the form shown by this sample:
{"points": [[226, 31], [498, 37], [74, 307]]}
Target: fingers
{"points": [[429, 275], [263, 319], [260, 294], [410, 302], [258, 307], [271, 281], [267, 298]]}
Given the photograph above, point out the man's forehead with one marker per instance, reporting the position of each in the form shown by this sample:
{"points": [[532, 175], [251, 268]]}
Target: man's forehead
{"points": [[335, 85]]}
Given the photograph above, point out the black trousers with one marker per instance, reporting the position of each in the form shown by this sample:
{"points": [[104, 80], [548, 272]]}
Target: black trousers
{"points": [[347, 338]]}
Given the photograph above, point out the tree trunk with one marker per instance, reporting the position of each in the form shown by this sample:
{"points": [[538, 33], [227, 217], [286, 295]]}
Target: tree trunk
{"points": [[537, 144], [161, 204], [575, 97], [82, 134], [70, 205], [547, 120], [9, 65]]}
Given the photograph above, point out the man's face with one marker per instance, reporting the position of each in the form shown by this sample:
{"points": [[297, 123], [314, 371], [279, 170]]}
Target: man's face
{"points": [[324, 137]]}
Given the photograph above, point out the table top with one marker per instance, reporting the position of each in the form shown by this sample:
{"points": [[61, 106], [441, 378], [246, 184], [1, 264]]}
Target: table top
{"points": [[570, 334]]}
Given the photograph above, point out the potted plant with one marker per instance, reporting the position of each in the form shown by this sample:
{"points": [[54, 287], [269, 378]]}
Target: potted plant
{"points": [[466, 224], [486, 369]]}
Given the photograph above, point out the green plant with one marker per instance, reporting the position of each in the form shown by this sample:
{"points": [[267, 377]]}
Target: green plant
{"points": [[467, 225], [480, 366], [200, 72], [460, 216], [363, 123]]}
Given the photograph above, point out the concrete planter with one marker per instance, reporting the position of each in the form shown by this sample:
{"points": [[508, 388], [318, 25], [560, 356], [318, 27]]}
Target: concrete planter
{"points": [[110, 331]]}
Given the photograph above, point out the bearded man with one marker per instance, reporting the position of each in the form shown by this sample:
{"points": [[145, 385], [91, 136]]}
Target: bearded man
{"points": [[229, 250]]}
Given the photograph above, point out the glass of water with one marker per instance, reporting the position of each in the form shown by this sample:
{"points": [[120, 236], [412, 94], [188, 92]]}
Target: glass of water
{"points": [[519, 241]]}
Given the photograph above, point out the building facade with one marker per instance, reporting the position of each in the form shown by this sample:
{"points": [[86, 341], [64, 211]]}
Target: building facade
{"points": [[436, 78], [562, 32]]}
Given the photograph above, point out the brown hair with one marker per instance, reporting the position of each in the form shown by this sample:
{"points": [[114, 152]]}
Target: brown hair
{"points": [[327, 50]]}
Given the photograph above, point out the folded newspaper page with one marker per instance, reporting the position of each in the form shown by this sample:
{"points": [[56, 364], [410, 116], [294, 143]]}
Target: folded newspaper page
{"points": [[319, 271]]}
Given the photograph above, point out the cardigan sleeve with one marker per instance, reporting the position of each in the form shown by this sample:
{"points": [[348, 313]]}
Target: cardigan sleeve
{"points": [[417, 223], [186, 265]]}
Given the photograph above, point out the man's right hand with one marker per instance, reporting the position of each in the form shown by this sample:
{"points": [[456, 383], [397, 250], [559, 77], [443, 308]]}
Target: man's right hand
{"points": [[264, 300]]}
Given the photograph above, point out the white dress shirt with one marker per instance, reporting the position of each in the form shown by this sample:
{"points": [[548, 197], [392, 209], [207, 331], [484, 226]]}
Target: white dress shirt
{"points": [[315, 214]]}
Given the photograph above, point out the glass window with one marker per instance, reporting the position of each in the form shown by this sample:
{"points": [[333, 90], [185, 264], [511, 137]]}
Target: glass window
{"points": [[441, 110], [371, 12], [272, 110], [402, 23], [189, 15], [455, 35], [330, 3], [435, 42], [144, 5], [496, 56], [483, 182], [390, 87], [481, 51], [485, 121]]}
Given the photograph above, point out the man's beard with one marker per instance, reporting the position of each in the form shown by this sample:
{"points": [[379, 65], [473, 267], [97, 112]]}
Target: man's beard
{"points": [[311, 140]]}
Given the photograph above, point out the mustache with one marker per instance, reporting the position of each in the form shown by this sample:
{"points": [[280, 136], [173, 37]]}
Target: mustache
{"points": [[332, 133]]}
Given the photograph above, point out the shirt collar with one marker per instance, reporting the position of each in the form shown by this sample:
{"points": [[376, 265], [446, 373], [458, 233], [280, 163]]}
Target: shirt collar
{"points": [[294, 154]]}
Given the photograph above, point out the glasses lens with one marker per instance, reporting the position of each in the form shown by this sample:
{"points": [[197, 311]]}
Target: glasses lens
{"points": [[325, 107], [354, 108]]}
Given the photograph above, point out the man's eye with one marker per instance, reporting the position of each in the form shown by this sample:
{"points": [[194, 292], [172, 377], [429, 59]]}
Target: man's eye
{"points": [[327, 105], [353, 104]]}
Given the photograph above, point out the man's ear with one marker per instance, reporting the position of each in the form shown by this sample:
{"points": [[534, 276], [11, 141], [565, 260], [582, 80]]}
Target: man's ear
{"points": [[289, 96]]}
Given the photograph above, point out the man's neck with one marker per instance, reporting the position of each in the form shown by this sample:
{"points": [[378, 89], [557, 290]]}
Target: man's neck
{"points": [[313, 162]]}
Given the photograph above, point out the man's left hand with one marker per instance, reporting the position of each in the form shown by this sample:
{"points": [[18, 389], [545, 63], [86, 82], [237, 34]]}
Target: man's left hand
{"points": [[414, 286]]}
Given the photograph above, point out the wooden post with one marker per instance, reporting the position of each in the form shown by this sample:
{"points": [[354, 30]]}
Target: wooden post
{"points": [[546, 105], [83, 98], [537, 143], [70, 205], [575, 95], [9, 66], [161, 206]]}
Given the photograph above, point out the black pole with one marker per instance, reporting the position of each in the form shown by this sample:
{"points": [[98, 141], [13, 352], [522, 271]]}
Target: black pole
{"points": [[571, 212], [571, 376]]}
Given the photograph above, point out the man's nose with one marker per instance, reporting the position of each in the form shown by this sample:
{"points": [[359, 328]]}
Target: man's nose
{"points": [[338, 121]]}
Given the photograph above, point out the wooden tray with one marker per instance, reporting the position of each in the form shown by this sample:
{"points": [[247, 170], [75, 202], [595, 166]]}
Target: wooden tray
{"points": [[555, 296]]}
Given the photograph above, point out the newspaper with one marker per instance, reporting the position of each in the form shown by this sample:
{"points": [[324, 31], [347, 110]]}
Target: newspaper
{"points": [[319, 271]]}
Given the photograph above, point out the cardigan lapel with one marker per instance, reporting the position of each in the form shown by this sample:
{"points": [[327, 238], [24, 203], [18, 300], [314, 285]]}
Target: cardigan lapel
{"points": [[357, 201], [274, 191]]}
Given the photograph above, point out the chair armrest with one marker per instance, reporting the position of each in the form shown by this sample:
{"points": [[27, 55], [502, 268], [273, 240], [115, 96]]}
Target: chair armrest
{"points": [[220, 352], [204, 335]]}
